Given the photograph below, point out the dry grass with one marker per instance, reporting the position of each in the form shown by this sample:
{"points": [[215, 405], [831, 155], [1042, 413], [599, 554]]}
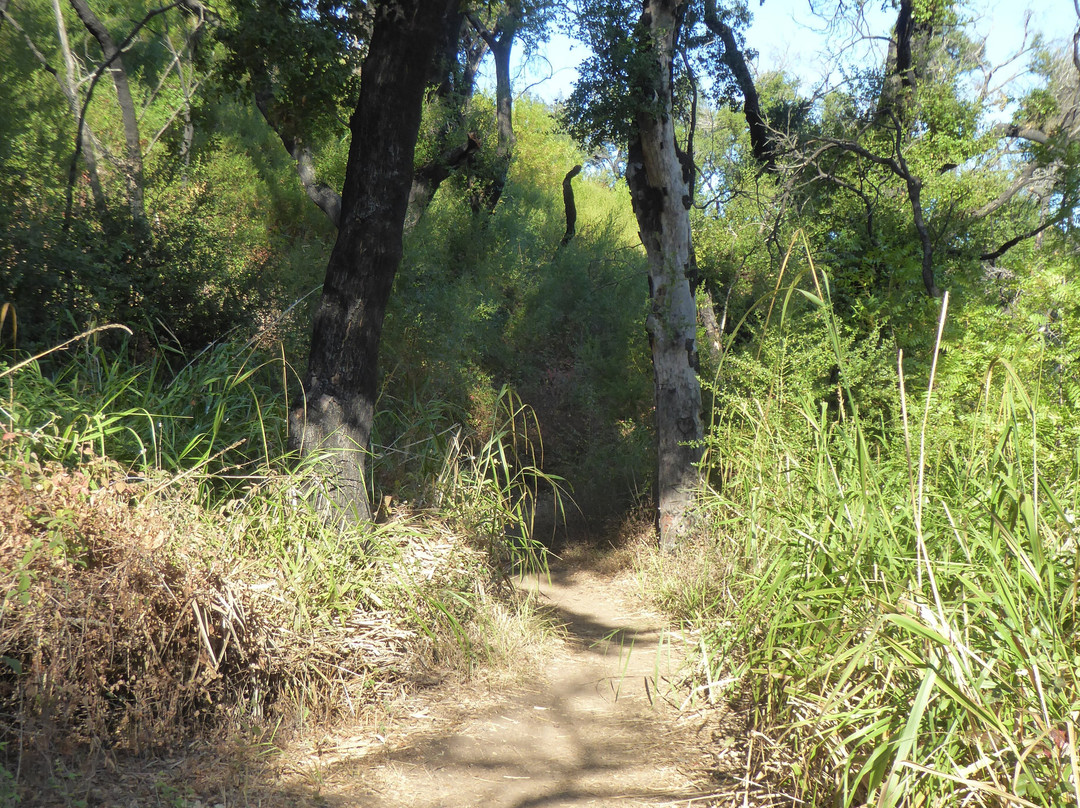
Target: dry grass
{"points": [[130, 625]]}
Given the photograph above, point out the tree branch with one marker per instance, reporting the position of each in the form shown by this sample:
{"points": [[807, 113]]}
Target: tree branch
{"points": [[761, 143], [325, 198], [1019, 184], [900, 168], [128, 115], [1030, 133], [1008, 245], [99, 71]]}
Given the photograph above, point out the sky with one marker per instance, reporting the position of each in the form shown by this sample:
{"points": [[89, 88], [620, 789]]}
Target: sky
{"points": [[786, 35]]}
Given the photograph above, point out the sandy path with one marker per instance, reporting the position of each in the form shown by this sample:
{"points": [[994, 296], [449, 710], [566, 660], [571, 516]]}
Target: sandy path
{"points": [[597, 729]]}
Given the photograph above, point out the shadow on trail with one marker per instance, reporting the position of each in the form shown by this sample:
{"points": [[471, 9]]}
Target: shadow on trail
{"points": [[590, 734], [595, 629], [562, 747]]}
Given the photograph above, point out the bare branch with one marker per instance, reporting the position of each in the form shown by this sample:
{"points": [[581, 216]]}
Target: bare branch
{"points": [[1076, 37], [94, 78], [1019, 184], [760, 140], [325, 198], [569, 206], [1008, 245], [1030, 133]]}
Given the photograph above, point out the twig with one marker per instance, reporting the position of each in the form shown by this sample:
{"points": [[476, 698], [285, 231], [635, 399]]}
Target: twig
{"points": [[64, 345]]}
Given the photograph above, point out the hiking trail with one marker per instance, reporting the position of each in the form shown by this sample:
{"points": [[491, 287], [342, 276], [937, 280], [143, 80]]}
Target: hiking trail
{"points": [[600, 725]]}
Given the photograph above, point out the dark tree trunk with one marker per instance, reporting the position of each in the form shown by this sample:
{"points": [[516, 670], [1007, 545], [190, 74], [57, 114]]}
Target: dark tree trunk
{"points": [[569, 206], [455, 83], [500, 53], [907, 48], [660, 193], [428, 177], [761, 141], [338, 405]]}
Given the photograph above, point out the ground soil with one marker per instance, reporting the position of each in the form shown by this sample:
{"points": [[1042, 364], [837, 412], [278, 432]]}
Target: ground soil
{"points": [[603, 722], [604, 715]]}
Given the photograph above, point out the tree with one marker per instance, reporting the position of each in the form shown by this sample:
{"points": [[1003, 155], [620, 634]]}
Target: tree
{"points": [[336, 410], [659, 188], [626, 96], [499, 24], [113, 65]]}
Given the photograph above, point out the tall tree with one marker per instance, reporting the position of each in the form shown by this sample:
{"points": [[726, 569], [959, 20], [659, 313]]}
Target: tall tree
{"points": [[499, 23], [132, 164], [659, 188], [336, 410], [626, 96]]}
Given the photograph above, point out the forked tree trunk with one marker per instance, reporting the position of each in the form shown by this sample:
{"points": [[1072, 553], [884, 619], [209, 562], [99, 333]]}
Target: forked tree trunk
{"points": [[661, 198], [500, 42], [69, 87], [132, 165], [504, 111], [338, 404]]}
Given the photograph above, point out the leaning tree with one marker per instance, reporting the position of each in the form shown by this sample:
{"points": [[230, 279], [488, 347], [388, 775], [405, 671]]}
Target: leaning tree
{"points": [[335, 411]]}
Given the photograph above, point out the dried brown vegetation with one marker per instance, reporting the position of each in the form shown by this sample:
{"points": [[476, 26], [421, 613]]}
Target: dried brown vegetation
{"points": [[127, 627]]}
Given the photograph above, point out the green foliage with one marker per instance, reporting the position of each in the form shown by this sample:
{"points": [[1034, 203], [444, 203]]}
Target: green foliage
{"points": [[223, 207], [600, 110], [302, 58], [481, 302], [900, 592], [494, 486]]}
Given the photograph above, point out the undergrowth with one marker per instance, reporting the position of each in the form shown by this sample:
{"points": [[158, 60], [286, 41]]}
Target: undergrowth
{"points": [[893, 600], [164, 574]]}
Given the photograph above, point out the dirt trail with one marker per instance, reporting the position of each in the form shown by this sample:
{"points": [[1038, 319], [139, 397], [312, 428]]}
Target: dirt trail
{"points": [[597, 728]]}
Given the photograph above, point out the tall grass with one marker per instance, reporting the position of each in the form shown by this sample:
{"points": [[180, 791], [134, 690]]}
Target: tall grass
{"points": [[495, 483], [209, 431], [213, 418], [902, 603]]}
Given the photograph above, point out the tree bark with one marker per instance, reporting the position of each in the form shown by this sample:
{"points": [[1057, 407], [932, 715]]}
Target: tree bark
{"points": [[325, 198], [336, 410], [132, 165], [68, 85], [661, 199], [907, 46], [453, 80], [569, 206]]}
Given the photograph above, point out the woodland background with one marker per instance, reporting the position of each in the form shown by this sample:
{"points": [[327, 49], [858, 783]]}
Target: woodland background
{"points": [[883, 553]]}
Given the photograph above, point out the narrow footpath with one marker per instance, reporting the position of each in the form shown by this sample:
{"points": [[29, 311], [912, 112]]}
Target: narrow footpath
{"points": [[598, 727]]}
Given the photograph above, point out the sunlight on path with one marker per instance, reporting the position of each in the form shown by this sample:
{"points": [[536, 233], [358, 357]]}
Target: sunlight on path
{"points": [[596, 731]]}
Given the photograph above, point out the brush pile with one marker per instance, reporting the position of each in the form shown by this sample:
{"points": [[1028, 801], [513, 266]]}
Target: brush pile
{"points": [[125, 625]]}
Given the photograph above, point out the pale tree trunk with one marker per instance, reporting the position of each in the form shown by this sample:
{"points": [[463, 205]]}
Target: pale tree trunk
{"points": [[336, 410], [504, 113], [501, 42], [660, 193], [132, 166], [69, 85]]}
